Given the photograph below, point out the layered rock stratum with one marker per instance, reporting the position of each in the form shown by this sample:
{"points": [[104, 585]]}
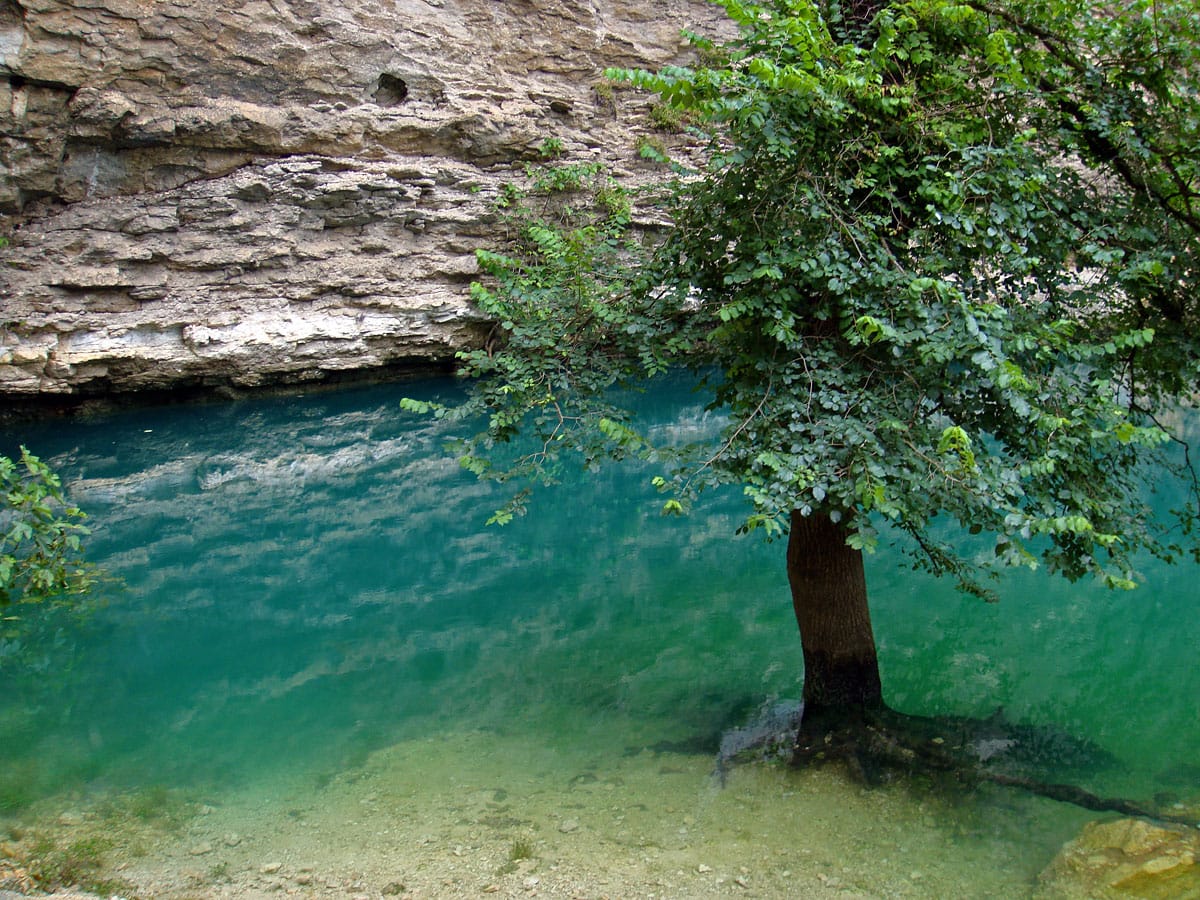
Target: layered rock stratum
{"points": [[235, 194]]}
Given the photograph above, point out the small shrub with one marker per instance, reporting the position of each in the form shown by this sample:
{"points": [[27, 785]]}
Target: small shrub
{"points": [[564, 178], [510, 195], [550, 148], [40, 535], [614, 200], [606, 95], [653, 149], [664, 117]]}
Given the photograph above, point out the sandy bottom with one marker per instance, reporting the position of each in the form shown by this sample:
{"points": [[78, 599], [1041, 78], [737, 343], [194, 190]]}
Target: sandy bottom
{"points": [[448, 818]]}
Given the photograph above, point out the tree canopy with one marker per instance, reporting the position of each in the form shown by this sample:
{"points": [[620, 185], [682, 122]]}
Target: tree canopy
{"points": [[939, 265]]}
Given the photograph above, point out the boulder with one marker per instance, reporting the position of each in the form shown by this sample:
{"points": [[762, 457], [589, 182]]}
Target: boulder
{"points": [[1126, 858]]}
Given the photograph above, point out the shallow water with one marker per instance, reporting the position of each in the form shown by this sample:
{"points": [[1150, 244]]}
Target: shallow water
{"points": [[308, 602]]}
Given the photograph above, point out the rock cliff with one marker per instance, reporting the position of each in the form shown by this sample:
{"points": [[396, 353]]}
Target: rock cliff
{"points": [[245, 193]]}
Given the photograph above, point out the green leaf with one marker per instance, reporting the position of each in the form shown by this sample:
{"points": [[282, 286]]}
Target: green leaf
{"points": [[500, 517], [420, 407]]}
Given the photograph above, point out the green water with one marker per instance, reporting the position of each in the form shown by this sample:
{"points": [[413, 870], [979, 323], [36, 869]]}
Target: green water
{"points": [[306, 585]]}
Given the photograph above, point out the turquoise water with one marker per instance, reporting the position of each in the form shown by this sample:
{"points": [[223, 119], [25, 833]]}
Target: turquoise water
{"points": [[304, 582]]}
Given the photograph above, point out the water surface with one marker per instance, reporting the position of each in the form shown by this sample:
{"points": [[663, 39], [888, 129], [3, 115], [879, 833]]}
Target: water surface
{"points": [[307, 586]]}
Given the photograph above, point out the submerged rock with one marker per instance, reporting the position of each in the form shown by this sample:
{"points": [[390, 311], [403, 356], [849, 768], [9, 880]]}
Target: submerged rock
{"points": [[772, 733], [1125, 858], [773, 727]]}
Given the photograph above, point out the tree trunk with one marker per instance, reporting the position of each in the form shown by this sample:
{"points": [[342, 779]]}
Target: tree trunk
{"points": [[829, 594], [845, 718]]}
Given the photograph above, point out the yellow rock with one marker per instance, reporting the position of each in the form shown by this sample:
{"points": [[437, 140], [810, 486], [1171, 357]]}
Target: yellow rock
{"points": [[1125, 858], [1133, 837], [1158, 869]]}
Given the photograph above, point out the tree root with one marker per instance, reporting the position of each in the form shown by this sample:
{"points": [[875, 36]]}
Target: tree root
{"points": [[875, 744]]}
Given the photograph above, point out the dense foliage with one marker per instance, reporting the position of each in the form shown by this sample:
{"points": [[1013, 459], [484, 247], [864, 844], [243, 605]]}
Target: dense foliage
{"points": [[40, 533], [940, 266]]}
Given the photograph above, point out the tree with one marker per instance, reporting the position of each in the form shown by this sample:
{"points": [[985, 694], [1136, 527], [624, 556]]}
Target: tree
{"points": [[939, 266], [40, 535]]}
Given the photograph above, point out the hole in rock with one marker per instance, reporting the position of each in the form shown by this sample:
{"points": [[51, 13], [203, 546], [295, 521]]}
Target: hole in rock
{"points": [[392, 90]]}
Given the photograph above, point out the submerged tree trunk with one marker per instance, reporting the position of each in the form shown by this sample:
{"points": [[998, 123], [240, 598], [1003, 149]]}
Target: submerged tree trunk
{"points": [[829, 594]]}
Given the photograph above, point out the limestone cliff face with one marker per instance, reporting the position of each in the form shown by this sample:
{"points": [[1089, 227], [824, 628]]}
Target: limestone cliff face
{"points": [[241, 192]]}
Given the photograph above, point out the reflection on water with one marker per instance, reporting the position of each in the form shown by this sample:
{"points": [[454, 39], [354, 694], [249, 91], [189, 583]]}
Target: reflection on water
{"points": [[307, 581]]}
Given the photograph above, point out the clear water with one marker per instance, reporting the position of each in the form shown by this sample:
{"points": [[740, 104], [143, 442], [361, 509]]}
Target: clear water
{"points": [[305, 588]]}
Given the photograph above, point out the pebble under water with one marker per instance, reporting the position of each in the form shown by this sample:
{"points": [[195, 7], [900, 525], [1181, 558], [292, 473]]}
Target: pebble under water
{"points": [[310, 635]]}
